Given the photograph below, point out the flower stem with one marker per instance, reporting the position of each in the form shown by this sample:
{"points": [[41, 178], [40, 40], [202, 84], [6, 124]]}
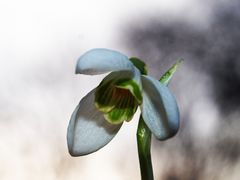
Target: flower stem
{"points": [[143, 133], [144, 150]]}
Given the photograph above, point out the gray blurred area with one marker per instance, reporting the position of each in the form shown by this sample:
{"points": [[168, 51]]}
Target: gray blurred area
{"points": [[40, 42], [207, 87]]}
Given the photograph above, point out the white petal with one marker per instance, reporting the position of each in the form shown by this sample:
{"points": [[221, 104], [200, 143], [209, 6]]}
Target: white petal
{"points": [[159, 109], [98, 61], [88, 131]]}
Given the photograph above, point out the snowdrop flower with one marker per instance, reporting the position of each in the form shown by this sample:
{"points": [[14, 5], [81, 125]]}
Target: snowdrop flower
{"points": [[101, 113]]}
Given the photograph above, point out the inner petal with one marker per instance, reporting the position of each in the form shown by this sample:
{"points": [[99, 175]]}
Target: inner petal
{"points": [[124, 109], [105, 97], [111, 86]]}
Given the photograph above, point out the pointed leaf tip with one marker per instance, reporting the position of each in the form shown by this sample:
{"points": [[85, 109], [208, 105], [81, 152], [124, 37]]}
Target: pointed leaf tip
{"points": [[167, 76]]}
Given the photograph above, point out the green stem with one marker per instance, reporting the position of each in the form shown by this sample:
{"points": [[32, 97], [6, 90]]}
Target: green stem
{"points": [[144, 150], [143, 133]]}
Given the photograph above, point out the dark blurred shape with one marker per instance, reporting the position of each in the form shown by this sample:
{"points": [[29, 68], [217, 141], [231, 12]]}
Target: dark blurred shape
{"points": [[229, 148], [214, 50]]}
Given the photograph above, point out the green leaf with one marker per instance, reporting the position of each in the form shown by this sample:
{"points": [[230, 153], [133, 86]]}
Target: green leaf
{"points": [[142, 67], [167, 76]]}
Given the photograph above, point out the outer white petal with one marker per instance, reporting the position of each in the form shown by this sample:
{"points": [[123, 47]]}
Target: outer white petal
{"points": [[88, 131], [98, 61], [159, 109]]}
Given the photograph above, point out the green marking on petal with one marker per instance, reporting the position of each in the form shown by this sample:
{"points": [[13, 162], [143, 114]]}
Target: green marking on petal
{"points": [[167, 76], [104, 97], [107, 92], [133, 87], [142, 67], [124, 109]]}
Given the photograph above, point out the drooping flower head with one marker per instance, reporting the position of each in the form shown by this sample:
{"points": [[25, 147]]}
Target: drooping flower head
{"points": [[101, 113]]}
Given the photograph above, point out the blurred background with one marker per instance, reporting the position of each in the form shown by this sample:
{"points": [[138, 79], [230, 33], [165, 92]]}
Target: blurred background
{"points": [[40, 42]]}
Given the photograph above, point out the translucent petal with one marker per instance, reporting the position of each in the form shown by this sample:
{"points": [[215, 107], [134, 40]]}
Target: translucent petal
{"points": [[88, 131], [98, 61], [159, 109]]}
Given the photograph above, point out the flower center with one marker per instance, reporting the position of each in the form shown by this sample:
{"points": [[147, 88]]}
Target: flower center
{"points": [[118, 104]]}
